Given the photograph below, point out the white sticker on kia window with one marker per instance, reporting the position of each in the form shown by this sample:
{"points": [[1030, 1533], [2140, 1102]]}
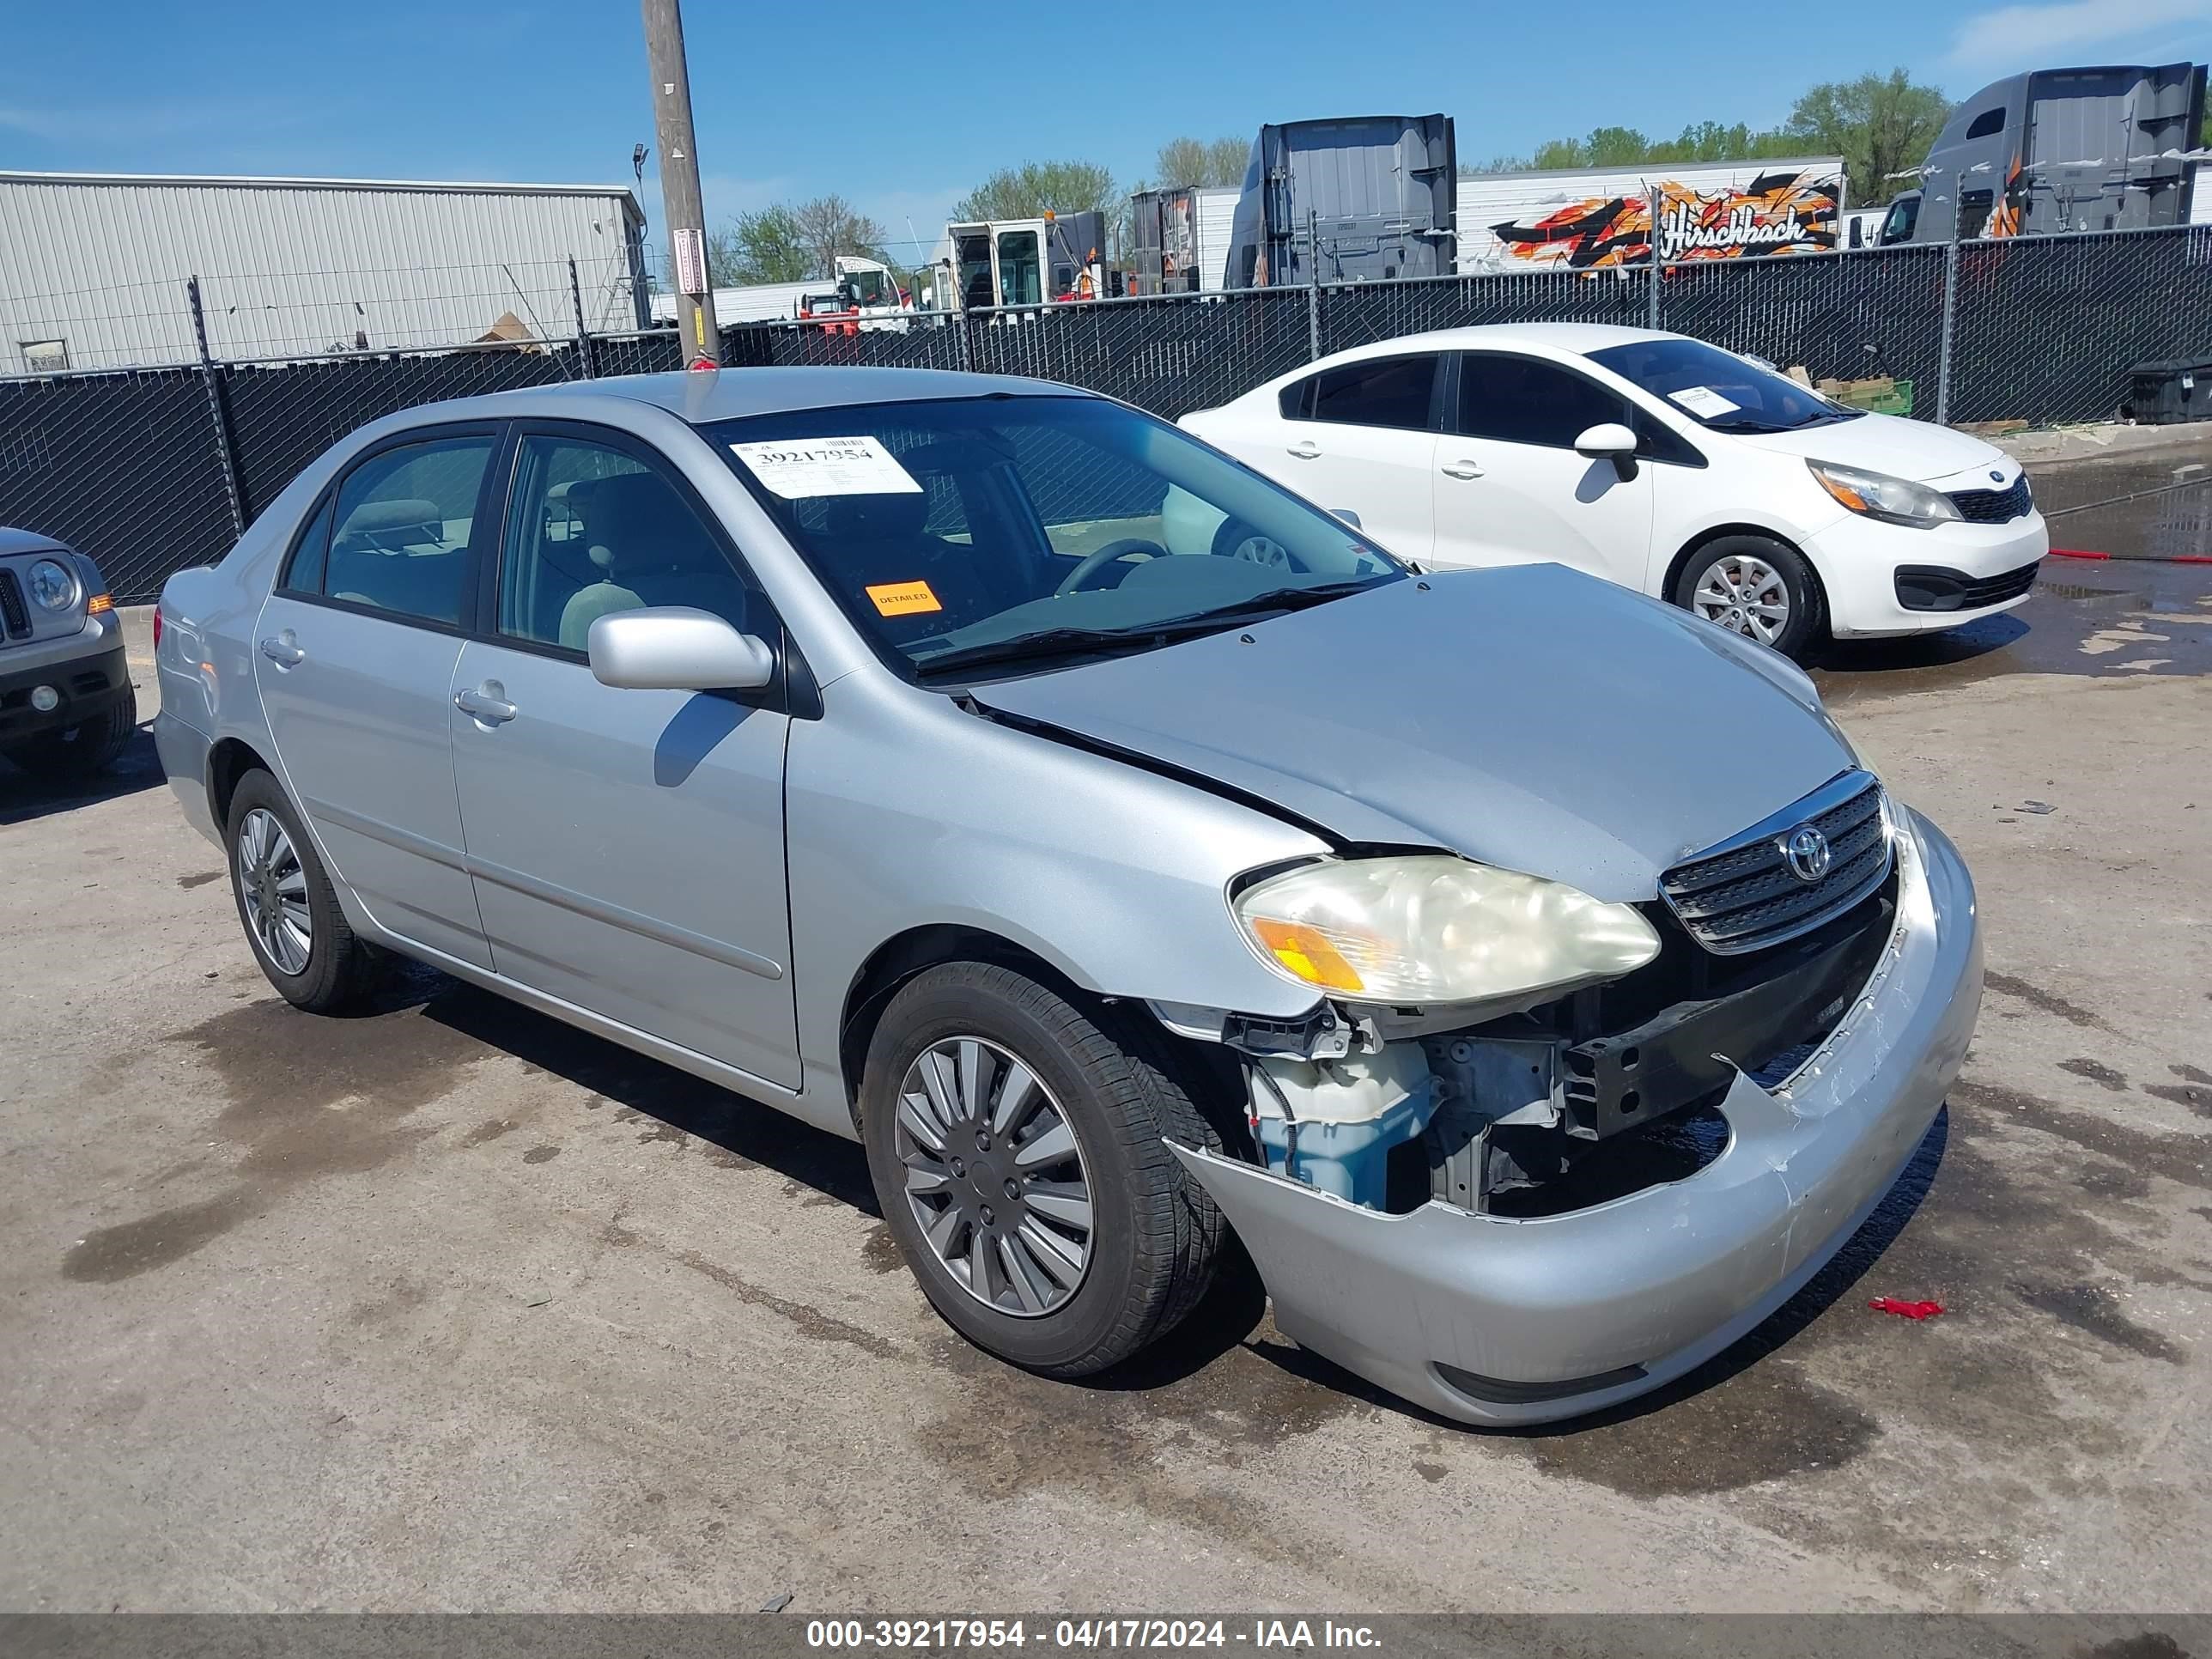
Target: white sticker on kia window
{"points": [[803, 467], [1704, 402]]}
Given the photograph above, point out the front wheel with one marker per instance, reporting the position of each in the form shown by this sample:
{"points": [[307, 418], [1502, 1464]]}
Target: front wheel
{"points": [[1755, 586], [84, 749], [1019, 1151]]}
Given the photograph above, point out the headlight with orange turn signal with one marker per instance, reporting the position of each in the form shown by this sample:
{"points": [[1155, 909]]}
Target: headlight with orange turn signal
{"points": [[1431, 928]]}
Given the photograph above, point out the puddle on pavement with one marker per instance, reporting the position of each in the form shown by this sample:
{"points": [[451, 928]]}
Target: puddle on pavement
{"points": [[2087, 617]]}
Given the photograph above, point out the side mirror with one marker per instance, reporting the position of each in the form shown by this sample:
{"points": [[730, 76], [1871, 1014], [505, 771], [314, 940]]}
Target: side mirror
{"points": [[1609, 440], [1347, 514], [676, 648]]}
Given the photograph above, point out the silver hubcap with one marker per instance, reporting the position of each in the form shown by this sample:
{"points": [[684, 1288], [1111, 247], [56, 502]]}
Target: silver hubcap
{"points": [[1745, 595], [993, 1177], [276, 892]]}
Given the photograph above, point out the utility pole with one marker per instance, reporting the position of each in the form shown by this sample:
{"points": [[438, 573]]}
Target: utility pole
{"points": [[681, 211]]}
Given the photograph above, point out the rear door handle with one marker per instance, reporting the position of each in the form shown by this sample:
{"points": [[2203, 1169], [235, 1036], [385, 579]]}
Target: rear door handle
{"points": [[487, 705], [1304, 450], [1461, 470], [282, 651]]}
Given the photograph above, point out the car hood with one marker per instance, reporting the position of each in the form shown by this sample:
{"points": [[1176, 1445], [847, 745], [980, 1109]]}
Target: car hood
{"points": [[1884, 443], [1529, 717]]}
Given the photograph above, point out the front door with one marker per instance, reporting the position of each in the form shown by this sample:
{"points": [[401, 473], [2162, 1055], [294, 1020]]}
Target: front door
{"points": [[626, 846], [353, 657], [1510, 487]]}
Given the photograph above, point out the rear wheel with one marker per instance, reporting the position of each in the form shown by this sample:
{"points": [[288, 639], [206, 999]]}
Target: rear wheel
{"points": [[1017, 1145], [287, 905], [82, 750], [1756, 587]]}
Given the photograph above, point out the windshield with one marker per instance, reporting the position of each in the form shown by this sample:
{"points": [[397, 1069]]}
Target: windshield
{"points": [[869, 288], [987, 536], [1718, 389]]}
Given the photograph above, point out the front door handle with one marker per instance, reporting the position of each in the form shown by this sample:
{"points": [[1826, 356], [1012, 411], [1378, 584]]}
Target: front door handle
{"points": [[1461, 470], [284, 651], [1304, 450], [487, 705]]}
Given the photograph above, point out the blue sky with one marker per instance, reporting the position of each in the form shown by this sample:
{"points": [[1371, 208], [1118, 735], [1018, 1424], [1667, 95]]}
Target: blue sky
{"points": [[902, 118]]}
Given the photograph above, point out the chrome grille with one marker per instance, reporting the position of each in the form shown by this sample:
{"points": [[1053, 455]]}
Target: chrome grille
{"points": [[1743, 896]]}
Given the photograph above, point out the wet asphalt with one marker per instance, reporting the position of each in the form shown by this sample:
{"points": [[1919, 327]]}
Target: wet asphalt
{"points": [[451, 1306]]}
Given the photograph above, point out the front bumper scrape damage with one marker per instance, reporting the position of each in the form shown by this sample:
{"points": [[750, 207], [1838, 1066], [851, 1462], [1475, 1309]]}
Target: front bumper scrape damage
{"points": [[1494, 1320]]}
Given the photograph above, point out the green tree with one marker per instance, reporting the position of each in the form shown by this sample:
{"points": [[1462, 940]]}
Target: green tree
{"points": [[1206, 165], [1025, 192], [828, 226], [1880, 124], [764, 246]]}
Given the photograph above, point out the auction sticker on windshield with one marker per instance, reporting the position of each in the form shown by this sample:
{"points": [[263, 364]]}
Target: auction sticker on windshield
{"points": [[798, 469], [904, 598], [1700, 400]]}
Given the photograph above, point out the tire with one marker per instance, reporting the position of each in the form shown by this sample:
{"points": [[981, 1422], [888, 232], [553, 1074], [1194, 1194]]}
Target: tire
{"points": [[335, 970], [1807, 623], [1154, 1236], [83, 750]]}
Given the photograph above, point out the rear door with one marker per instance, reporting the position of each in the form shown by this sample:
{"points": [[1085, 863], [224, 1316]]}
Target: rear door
{"points": [[1508, 487], [354, 658], [626, 846], [1360, 436]]}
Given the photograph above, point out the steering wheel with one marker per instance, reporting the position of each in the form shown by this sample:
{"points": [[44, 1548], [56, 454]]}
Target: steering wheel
{"points": [[1092, 562], [1237, 540]]}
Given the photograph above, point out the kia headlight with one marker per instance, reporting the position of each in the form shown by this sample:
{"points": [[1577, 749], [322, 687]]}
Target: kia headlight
{"points": [[1877, 496], [52, 587], [1431, 928]]}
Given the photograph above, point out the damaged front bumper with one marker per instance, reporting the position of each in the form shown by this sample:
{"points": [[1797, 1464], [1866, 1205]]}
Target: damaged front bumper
{"points": [[1498, 1321]]}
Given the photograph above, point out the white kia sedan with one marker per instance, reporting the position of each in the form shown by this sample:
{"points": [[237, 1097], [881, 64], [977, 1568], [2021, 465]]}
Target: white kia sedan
{"points": [[1659, 462]]}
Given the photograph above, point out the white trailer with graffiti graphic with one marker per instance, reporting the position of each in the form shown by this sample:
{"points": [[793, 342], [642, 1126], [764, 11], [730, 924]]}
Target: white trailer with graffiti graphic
{"points": [[1582, 218]]}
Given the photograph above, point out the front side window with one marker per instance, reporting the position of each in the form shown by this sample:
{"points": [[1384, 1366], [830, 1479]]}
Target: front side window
{"points": [[1903, 216], [1525, 400], [1392, 392], [999, 535], [594, 530], [399, 541], [1717, 389]]}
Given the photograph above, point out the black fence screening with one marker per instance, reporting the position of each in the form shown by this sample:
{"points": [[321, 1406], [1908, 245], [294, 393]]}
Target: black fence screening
{"points": [[152, 470]]}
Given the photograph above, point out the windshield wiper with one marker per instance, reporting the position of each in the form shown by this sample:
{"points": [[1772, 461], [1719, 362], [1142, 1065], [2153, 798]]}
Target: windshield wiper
{"points": [[1053, 643], [1073, 641]]}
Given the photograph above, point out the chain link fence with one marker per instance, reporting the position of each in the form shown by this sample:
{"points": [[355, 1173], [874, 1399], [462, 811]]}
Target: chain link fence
{"points": [[151, 470]]}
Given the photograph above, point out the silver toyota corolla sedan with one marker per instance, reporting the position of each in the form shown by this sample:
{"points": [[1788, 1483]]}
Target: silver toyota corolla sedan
{"points": [[1530, 975]]}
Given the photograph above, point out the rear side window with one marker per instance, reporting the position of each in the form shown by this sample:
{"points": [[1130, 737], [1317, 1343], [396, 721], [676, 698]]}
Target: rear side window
{"points": [[303, 573], [1393, 391], [1523, 400], [400, 538]]}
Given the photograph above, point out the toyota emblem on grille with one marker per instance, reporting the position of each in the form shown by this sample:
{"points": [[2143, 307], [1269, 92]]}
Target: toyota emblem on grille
{"points": [[1806, 850]]}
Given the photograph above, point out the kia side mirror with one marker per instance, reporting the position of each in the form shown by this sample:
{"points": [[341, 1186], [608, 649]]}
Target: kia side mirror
{"points": [[1609, 440], [677, 648]]}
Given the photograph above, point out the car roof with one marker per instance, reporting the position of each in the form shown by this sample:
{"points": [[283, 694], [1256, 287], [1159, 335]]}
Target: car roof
{"points": [[702, 396], [1568, 339]]}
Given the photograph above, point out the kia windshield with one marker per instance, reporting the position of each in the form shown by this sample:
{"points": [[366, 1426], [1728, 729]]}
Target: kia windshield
{"points": [[1719, 390], [983, 537]]}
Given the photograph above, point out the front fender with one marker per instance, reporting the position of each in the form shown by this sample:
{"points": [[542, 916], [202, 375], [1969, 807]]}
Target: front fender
{"points": [[903, 811]]}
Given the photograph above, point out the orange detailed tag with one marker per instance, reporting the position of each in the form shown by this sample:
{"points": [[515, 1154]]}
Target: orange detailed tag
{"points": [[904, 598]]}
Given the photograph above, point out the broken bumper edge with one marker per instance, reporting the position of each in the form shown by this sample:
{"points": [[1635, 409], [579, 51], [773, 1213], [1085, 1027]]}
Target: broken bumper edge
{"points": [[1552, 1317]]}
